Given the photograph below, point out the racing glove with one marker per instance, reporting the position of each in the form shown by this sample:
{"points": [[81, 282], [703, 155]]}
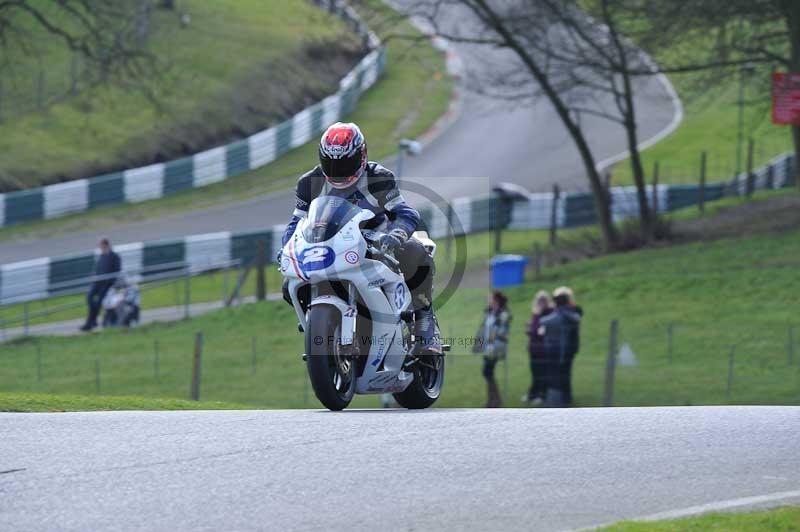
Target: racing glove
{"points": [[392, 240]]}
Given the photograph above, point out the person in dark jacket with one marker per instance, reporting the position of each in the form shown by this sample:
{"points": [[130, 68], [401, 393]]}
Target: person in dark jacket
{"points": [[107, 264], [559, 330], [575, 343], [542, 306], [492, 341]]}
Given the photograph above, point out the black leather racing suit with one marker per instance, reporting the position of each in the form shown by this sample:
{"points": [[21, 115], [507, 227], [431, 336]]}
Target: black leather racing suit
{"points": [[376, 190]]}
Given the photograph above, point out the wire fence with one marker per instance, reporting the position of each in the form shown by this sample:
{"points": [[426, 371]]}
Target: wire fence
{"points": [[682, 363], [670, 364]]}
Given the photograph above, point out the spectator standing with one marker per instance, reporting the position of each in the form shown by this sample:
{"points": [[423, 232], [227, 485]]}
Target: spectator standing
{"points": [[559, 331], [492, 342], [541, 307], [574, 341], [105, 267]]}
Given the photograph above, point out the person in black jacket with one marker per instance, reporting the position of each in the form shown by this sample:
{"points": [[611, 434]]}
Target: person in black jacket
{"points": [[107, 264], [542, 306], [560, 345], [574, 342]]}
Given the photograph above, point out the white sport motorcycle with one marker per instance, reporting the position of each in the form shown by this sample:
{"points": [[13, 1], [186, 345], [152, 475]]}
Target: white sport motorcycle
{"points": [[355, 309]]}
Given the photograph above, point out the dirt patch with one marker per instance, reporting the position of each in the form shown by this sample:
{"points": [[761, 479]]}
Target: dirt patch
{"points": [[764, 216], [768, 216]]}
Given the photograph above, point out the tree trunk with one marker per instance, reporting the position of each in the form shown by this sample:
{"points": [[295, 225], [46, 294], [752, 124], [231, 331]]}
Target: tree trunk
{"points": [[602, 206], [792, 12], [628, 111]]}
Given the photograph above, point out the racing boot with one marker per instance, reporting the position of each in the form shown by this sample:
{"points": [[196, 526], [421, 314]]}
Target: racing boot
{"points": [[426, 332]]}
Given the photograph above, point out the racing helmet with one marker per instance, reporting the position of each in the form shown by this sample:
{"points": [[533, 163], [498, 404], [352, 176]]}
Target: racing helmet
{"points": [[342, 154]]}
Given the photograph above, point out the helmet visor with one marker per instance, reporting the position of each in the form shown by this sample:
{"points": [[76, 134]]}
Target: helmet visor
{"points": [[340, 170]]}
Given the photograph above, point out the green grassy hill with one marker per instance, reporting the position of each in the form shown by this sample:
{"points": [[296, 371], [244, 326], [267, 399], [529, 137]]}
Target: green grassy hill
{"points": [[412, 94], [714, 295], [237, 67]]}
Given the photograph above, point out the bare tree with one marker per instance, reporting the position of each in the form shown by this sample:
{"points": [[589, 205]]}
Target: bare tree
{"points": [[739, 32], [108, 35], [575, 54]]}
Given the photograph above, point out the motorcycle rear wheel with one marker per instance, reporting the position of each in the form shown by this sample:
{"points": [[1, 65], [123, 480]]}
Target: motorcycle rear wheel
{"points": [[332, 375], [426, 387]]}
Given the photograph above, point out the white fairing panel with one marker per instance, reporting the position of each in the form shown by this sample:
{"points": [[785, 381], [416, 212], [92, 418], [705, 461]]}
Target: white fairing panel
{"points": [[384, 292]]}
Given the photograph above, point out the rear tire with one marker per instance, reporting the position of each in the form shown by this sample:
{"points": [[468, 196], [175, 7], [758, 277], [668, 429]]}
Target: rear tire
{"points": [[333, 388], [426, 387]]}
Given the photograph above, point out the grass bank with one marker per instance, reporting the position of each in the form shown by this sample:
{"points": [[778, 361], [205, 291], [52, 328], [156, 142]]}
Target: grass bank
{"points": [[413, 93], [38, 402], [711, 121], [232, 70], [711, 295], [780, 519]]}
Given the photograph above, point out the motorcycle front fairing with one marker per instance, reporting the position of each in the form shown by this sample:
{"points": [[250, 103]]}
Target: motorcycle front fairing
{"points": [[328, 245]]}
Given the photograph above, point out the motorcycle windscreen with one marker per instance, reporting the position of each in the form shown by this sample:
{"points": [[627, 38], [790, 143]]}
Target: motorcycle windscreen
{"points": [[326, 217]]}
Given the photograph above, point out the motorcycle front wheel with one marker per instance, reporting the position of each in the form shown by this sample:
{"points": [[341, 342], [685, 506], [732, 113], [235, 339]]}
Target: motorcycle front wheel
{"points": [[332, 373]]}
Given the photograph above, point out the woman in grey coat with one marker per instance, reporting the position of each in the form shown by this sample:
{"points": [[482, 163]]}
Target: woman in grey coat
{"points": [[492, 342]]}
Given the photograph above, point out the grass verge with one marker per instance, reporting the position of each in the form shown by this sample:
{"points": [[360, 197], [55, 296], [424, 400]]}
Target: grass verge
{"points": [[38, 402], [779, 519], [232, 70], [710, 295], [413, 93]]}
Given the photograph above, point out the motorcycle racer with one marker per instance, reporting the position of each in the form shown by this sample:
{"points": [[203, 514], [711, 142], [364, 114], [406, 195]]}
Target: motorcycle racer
{"points": [[345, 171]]}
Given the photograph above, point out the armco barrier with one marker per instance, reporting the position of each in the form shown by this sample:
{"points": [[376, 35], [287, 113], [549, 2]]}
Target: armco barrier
{"points": [[40, 278], [211, 166]]}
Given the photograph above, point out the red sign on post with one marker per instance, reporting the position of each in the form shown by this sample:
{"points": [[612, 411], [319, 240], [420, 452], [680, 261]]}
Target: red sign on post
{"points": [[786, 98]]}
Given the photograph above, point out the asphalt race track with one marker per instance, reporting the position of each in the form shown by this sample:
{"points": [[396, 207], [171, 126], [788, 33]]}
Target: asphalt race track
{"points": [[489, 141], [515, 469]]}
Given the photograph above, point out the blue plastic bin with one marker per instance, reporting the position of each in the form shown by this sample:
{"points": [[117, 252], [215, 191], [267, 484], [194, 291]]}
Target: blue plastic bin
{"points": [[508, 270]]}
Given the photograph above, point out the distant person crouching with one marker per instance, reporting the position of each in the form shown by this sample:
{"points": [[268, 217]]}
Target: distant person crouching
{"points": [[121, 304], [559, 329], [492, 341], [107, 264], [542, 306]]}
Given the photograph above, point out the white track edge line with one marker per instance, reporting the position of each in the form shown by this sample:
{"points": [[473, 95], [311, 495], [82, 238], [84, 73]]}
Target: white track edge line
{"points": [[700, 509]]}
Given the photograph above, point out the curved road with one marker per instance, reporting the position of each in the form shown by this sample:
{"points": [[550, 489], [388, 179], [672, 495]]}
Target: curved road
{"points": [[523, 469], [488, 141]]}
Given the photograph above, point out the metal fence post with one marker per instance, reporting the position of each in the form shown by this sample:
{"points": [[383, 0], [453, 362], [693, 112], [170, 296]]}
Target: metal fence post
{"points": [[225, 274], [751, 176], [187, 294], [156, 361], [770, 176], [701, 192], [450, 233], [611, 365], [655, 190], [554, 216], [537, 260], [729, 387], [26, 318], [38, 361], [261, 262], [197, 367]]}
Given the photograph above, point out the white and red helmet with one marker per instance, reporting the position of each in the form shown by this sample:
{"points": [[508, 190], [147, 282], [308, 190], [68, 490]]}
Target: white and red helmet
{"points": [[342, 154]]}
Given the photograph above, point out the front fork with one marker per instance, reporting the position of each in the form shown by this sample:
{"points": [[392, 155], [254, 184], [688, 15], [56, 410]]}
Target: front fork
{"points": [[349, 312]]}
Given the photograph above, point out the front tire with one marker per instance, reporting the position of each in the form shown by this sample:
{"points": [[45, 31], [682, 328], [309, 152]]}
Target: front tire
{"points": [[332, 374]]}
